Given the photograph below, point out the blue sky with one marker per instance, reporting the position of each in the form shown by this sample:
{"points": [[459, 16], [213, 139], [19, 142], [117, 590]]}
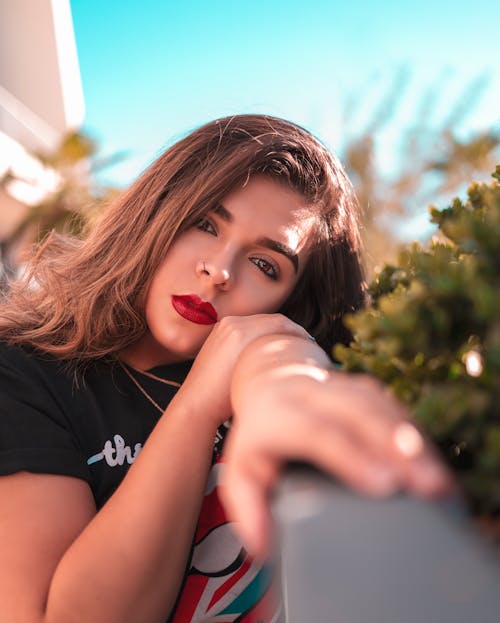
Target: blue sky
{"points": [[152, 70]]}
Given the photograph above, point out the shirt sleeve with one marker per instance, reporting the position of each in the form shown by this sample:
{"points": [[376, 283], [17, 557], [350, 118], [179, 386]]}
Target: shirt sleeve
{"points": [[35, 423]]}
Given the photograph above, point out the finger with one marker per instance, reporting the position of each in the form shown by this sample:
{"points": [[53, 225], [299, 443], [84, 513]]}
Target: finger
{"points": [[369, 411], [292, 327], [425, 473], [340, 454], [248, 481], [310, 439], [246, 504], [364, 440], [246, 488], [380, 425], [276, 323], [246, 328]]}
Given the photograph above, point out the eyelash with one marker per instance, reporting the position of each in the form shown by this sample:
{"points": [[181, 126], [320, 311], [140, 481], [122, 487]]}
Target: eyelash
{"points": [[268, 269], [259, 262], [205, 224]]}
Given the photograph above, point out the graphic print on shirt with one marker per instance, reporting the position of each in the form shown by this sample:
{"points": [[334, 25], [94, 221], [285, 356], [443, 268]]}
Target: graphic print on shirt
{"points": [[223, 583], [116, 454]]}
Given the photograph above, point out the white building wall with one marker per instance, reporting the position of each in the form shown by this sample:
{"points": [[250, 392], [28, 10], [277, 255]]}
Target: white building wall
{"points": [[40, 87], [41, 96]]}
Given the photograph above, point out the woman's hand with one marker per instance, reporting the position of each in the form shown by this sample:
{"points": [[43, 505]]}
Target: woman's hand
{"points": [[207, 386], [288, 405]]}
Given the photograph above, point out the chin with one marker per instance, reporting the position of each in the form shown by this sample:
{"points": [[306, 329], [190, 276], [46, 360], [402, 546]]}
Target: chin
{"points": [[178, 344], [184, 351]]}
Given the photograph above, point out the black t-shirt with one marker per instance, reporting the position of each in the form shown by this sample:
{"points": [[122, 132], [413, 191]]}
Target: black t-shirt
{"points": [[89, 424]]}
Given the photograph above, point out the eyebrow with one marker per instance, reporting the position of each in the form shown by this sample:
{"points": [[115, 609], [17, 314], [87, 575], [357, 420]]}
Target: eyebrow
{"points": [[279, 247], [224, 213], [269, 243]]}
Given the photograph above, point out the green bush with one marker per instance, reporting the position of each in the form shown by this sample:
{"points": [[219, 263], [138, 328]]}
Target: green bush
{"points": [[432, 333]]}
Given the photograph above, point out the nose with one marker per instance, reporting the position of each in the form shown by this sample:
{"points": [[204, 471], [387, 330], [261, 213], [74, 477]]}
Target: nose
{"points": [[213, 270]]}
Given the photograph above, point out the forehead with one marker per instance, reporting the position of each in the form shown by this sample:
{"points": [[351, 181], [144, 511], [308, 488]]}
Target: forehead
{"points": [[266, 207]]}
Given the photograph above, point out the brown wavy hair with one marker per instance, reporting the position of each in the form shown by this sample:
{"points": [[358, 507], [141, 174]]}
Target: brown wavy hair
{"points": [[81, 299]]}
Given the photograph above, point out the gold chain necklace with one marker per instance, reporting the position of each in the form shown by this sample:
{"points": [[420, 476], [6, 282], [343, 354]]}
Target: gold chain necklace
{"points": [[141, 388]]}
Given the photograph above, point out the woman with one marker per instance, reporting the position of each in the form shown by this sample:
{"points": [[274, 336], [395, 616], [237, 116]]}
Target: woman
{"points": [[125, 354]]}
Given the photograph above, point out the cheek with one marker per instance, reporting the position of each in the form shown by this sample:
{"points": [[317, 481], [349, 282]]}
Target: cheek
{"points": [[184, 249], [160, 288], [258, 298]]}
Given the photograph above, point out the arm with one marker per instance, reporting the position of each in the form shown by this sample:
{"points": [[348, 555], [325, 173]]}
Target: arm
{"points": [[290, 405], [61, 562]]}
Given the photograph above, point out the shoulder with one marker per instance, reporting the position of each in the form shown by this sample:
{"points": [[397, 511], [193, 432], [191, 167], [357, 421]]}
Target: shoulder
{"points": [[31, 375], [22, 364], [14, 354], [10, 352]]}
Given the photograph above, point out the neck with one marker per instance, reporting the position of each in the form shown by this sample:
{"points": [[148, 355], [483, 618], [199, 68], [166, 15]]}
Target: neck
{"points": [[146, 354]]}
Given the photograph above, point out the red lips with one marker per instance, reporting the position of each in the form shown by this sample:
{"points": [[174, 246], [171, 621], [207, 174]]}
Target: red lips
{"points": [[194, 309]]}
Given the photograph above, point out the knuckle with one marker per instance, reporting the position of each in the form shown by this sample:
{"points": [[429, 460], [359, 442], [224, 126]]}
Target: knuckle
{"points": [[237, 333], [223, 322], [228, 323], [283, 322]]}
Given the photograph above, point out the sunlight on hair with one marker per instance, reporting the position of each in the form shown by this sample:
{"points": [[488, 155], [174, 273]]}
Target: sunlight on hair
{"points": [[295, 235]]}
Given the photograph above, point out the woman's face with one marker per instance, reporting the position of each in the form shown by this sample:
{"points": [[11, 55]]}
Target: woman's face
{"points": [[243, 258]]}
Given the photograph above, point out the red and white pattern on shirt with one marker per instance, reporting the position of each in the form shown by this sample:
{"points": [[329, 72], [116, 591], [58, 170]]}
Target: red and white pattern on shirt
{"points": [[223, 583]]}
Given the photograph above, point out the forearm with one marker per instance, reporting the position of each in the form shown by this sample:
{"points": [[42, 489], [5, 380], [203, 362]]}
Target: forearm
{"points": [[128, 563], [273, 355]]}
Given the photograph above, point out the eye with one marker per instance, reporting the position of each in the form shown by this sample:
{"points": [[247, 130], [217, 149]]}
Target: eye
{"points": [[205, 224], [270, 270]]}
